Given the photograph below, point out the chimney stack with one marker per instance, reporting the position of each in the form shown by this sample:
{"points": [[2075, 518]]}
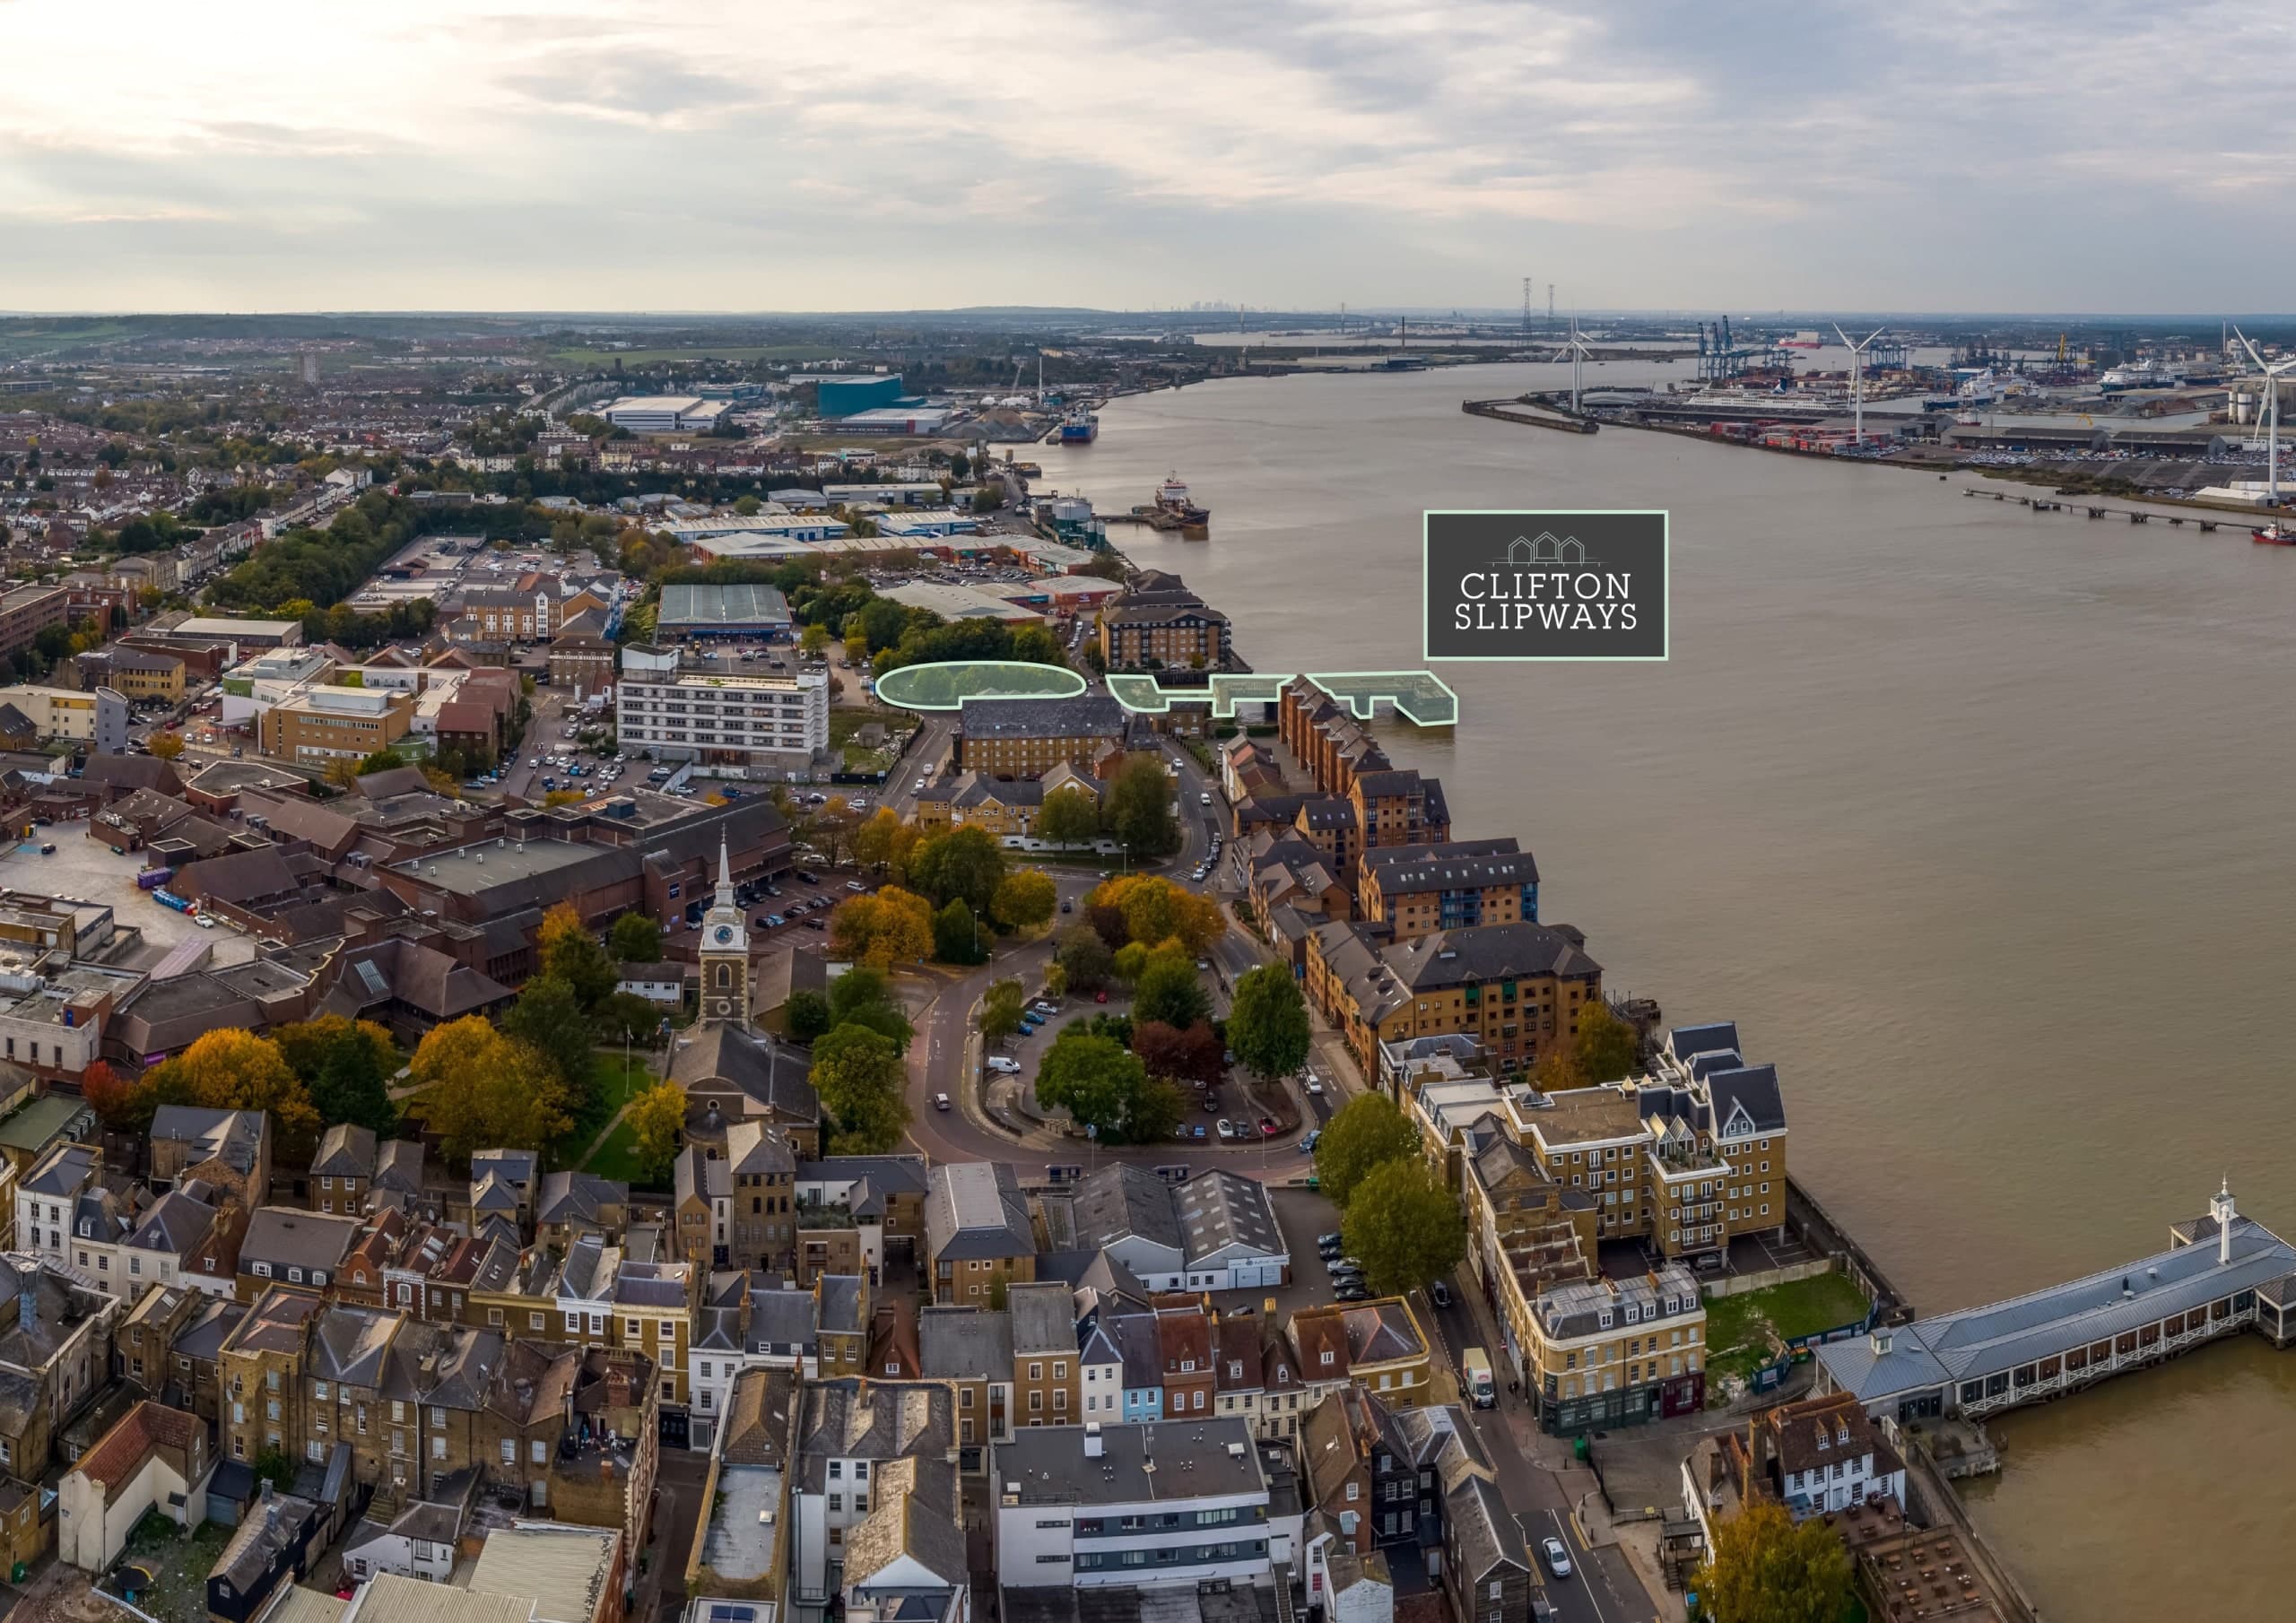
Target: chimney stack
{"points": [[28, 1298]]}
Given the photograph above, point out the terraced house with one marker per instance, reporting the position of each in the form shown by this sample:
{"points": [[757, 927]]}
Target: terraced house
{"points": [[1417, 890]]}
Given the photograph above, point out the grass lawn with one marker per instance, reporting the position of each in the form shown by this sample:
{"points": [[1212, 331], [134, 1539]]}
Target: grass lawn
{"points": [[612, 1088], [845, 721], [617, 1158], [1740, 1329]]}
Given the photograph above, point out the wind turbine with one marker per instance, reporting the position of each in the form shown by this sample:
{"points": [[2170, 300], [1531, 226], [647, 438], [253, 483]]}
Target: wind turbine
{"points": [[1576, 347], [1858, 377], [2272, 375]]}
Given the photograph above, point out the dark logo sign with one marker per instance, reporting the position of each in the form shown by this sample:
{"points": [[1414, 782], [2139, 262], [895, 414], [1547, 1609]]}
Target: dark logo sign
{"points": [[1546, 586]]}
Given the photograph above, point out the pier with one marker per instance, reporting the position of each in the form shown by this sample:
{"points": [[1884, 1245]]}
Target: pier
{"points": [[2042, 504], [2223, 1274], [1522, 410]]}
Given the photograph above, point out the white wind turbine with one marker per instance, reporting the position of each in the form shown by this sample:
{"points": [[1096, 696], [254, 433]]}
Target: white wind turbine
{"points": [[1858, 377], [1576, 347], [2272, 376]]}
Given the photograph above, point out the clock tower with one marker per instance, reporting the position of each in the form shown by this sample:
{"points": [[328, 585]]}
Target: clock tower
{"points": [[725, 952]]}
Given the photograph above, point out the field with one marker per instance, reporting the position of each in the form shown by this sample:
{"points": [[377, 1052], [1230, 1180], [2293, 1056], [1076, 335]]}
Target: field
{"points": [[616, 1157], [1745, 1331]]}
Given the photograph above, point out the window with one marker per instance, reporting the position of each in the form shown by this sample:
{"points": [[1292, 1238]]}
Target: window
{"points": [[1352, 1489], [837, 1502], [539, 1452], [509, 1452]]}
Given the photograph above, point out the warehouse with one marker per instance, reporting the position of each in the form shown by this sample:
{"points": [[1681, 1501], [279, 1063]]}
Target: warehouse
{"points": [[665, 414], [749, 612]]}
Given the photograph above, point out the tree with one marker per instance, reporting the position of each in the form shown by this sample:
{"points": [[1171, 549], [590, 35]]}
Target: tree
{"points": [[965, 862], [561, 797], [1405, 1226], [547, 1017], [353, 1081], [1190, 1056], [381, 760], [271, 1465], [1368, 1131], [1132, 961], [235, 1070], [1140, 808], [111, 1098], [1155, 910], [1095, 1080], [813, 641], [1557, 1071], [956, 935], [1000, 1010], [167, 746], [884, 843], [635, 939], [656, 1117], [570, 953], [1764, 1568], [1025, 898], [1155, 1112], [483, 1091], [864, 997], [862, 1083], [1267, 1023], [1169, 991], [1607, 1047], [1069, 817], [624, 1017], [890, 926], [1084, 958], [806, 1015]]}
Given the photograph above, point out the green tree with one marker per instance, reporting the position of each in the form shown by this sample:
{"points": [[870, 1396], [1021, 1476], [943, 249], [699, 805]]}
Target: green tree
{"points": [[635, 939], [1000, 1010], [1024, 899], [656, 1117], [348, 1064], [957, 937], [964, 863], [381, 760], [1368, 1131], [1069, 817], [1084, 958], [1267, 1025], [813, 641], [1607, 1047], [624, 1017], [1095, 1080], [570, 953], [1140, 808], [746, 505], [806, 1016], [864, 997], [1404, 1225], [1170, 990], [1155, 1112], [860, 1078], [546, 1017], [1764, 1568], [273, 1466]]}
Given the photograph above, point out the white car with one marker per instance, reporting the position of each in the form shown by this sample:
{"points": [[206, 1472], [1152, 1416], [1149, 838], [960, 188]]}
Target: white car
{"points": [[1315, 1085], [940, 1101], [1557, 1559], [1003, 1066]]}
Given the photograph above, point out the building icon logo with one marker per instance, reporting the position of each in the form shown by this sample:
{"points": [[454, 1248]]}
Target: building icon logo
{"points": [[1546, 586]]}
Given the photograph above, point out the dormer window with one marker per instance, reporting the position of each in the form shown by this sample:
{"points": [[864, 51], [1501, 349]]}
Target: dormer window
{"points": [[1824, 1443], [1328, 1357], [1602, 1319], [1842, 1434]]}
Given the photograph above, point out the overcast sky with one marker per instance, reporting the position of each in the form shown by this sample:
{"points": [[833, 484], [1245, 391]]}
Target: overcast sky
{"points": [[799, 154]]}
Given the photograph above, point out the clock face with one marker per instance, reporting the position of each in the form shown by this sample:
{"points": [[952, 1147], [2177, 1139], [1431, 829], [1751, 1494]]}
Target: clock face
{"points": [[724, 932]]}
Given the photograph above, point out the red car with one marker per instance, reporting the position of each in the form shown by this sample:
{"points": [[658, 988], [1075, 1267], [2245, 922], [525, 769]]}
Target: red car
{"points": [[1100, 997], [1267, 1127]]}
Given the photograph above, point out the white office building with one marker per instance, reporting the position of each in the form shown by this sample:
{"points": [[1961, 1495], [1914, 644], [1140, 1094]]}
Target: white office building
{"points": [[1146, 1505], [665, 414], [672, 709]]}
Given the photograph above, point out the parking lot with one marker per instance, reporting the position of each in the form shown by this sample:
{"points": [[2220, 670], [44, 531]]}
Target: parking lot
{"points": [[91, 871]]}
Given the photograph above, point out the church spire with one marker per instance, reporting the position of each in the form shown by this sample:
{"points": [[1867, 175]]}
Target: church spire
{"points": [[725, 873]]}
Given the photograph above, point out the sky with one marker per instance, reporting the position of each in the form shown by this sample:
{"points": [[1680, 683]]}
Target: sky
{"points": [[247, 155]]}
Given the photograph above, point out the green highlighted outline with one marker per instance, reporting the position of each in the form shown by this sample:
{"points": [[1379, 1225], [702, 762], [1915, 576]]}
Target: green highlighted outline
{"points": [[1421, 698], [945, 684]]}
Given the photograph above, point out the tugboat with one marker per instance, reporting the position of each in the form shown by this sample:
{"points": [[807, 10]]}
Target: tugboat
{"points": [[2274, 534], [1173, 509]]}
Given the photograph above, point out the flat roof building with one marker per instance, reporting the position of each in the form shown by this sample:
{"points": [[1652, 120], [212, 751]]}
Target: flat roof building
{"points": [[727, 610]]}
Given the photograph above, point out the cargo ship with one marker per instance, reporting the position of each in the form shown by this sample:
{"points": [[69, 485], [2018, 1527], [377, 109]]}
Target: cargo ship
{"points": [[1081, 426], [1172, 497], [1805, 340]]}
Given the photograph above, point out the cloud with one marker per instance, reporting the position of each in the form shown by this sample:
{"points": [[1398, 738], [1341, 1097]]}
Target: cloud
{"points": [[578, 153]]}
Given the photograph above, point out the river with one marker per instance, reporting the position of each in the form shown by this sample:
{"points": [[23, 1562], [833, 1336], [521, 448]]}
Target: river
{"points": [[1981, 823]]}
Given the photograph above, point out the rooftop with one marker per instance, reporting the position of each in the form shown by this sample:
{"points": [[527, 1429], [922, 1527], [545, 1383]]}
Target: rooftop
{"points": [[1137, 1464]]}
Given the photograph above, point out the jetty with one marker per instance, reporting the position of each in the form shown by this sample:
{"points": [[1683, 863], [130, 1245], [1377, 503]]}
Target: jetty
{"points": [[1522, 410], [2042, 504], [2222, 1274]]}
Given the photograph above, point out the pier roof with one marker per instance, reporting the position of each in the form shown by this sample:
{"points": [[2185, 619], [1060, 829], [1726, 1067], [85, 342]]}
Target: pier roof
{"points": [[2002, 1336]]}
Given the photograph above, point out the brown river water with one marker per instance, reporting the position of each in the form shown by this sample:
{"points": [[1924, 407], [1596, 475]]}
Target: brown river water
{"points": [[1981, 823]]}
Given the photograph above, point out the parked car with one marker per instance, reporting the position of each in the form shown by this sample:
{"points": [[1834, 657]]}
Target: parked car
{"points": [[1307, 1144], [1198, 1131], [1440, 1294], [1225, 1128], [855, 884], [1330, 1243], [774, 921], [1100, 996], [1267, 1126], [1557, 1559], [48, 850], [1352, 1293], [1002, 1067]]}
